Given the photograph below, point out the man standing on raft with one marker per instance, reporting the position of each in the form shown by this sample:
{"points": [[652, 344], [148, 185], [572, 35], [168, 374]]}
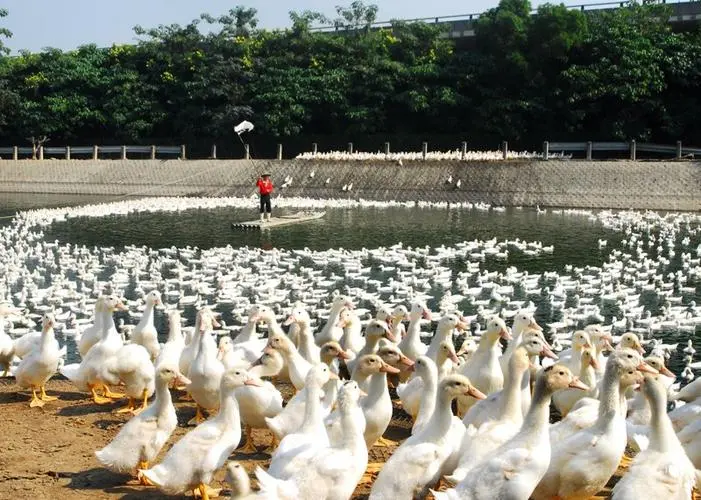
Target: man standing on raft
{"points": [[265, 188]]}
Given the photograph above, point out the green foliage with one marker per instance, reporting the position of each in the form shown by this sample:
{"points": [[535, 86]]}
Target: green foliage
{"points": [[559, 74]]}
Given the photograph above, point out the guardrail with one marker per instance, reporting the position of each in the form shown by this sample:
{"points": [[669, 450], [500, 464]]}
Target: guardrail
{"points": [[678, 150], [68, 152]]}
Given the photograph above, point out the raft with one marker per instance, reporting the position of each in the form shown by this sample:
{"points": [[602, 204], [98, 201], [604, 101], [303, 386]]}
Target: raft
{"points": [[282, 220]]}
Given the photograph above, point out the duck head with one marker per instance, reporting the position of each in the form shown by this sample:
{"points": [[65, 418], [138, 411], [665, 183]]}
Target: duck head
{"points": [[559, 377], [318, 375], [372, 363], [332, 350], [300, 316], [392, 355], [658, 364], [237, 377], [630, 340], [238, 480], [589, 358], [523, 320], [225, 345], [48, 321], [153, 298], [279, 342], [455, 386], [496, 328], [378, 329], [169, 374], [580, 340], [420, 310]]}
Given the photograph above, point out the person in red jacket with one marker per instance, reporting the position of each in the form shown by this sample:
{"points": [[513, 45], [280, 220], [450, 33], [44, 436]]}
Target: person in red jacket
{"points": [[265, 189]]}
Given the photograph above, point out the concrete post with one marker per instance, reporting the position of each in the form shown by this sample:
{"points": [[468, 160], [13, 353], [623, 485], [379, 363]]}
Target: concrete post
{"points": [[504, 150], [124, 152], [214, 152], [424, 150], [463, 152], [41, 152], [153, 152], [315, 148], [633, 150], [350, 148], [68, 152], [94, 152], [247, 152], [387, 149], [15, 152], [679, 150], [546, 150], [590, 149], [279, 151], [182, 152]]}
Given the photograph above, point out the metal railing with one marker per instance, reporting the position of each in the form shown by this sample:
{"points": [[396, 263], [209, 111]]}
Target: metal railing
{"points": [[678, 150], [94, 152]]}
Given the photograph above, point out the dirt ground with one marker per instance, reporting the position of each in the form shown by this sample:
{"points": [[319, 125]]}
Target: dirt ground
{"points": [[47, 453]]}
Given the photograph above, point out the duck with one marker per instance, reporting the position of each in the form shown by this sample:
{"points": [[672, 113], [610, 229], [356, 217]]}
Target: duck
{"points": [[7, 349], [410, 393], [582, 463], [630, 340], [191, 462], [566, 399], [397, 315], [444, 331], [256, 403], [93, 372], [572, 357], [306, 346], [374, 331], [514, 469], [393, 356], [247, 346], [335, 470], [663, 470], [411, 344], [256, 314], [298, 446], [141, 438], [483, 368], [132, 366], [239, 482], [204, 320], [425, 383], [352, 340], [330, 330], [492, 422], [205, 376], [297, 366], [172, 349], [522, 320], [227, 356], [639, 411], [145, 332], [40, 365], [494, 404], [91, 334], [419, 461]]}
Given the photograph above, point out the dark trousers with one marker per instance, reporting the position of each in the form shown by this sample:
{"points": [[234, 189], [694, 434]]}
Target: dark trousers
{"points": [[265, 203]]}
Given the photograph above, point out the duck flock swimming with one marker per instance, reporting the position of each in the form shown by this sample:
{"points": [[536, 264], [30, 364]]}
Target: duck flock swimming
{"points": [[342, 327]]}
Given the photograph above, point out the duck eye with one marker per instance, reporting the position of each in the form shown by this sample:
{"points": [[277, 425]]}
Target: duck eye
{"points": [[562, 373]]}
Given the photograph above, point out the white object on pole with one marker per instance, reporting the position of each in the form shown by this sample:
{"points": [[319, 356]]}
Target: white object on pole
{"points": [[244, 126]]}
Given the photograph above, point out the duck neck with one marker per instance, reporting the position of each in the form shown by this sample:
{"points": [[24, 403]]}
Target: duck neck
{"points": [[513, 343], [487, 343], [247, 333], [535, 423], [147, 318], [442, 418], [428, 397], [662, 434], [413, 331], [511, 397], [46, 335], [307, 340], [352, 426], [442, 333], [610, 399], [378, 387], [175, 334], [163, 399], [228, 415], [107, 324], [370, 346], [312, 409]]}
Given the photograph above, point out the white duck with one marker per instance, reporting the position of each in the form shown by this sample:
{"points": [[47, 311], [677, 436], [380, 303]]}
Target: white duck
{"points": [[297, 366], [410, 393], [444, 331], [398, 314], [483, 369], [227, 356], [306, 346], [132, 366], [352, 340], [257, 403], [239, 482], [92, 334], [204, 320], [374, 331], [490, 424], [205, 376], [582, 463], [39, 365], [93, 371], [663, 470], [145, 332], [173, 348], [333, 471], [411, 344], [141, 439], [522, 320], [191, 462], [377, 405], [565, 400], [247, 345], [572, 357], [330, 331], [7, 349], [418, 462], [514, 469]]}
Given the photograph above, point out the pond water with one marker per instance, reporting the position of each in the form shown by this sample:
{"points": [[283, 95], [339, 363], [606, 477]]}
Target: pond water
{"points": [[576, 256]]}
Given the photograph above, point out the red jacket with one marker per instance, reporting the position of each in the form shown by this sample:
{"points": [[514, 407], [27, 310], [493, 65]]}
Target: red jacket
{"points": [[265, 186]]}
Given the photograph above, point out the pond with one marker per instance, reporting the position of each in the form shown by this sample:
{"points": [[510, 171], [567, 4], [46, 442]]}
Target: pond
{"points": [[570, 267]]}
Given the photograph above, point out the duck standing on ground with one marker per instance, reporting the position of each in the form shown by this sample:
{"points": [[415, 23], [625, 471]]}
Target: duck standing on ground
{"points": [[145, 332], [205, 376], [140, 440], [39, 366], [191, 462]]}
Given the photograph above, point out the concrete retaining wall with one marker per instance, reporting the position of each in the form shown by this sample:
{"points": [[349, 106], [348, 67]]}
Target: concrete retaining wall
{"points": [[575, 184]]}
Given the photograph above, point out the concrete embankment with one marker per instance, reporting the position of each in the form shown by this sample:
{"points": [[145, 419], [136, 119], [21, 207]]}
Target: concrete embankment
{"points": [[658, 185]]}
